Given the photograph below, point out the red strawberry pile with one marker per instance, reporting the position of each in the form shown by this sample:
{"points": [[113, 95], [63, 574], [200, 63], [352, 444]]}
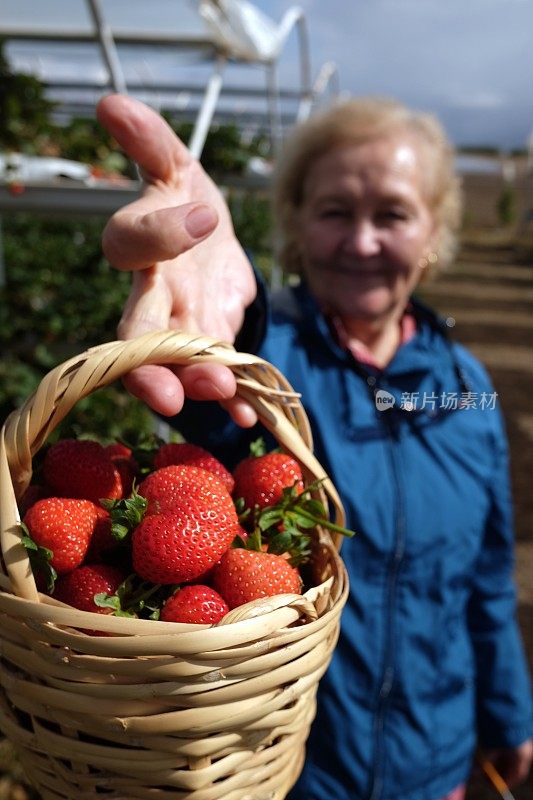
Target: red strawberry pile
{"points": [[167, 531]]}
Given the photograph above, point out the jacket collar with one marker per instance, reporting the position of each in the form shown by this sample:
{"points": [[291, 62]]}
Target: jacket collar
{"points": [[420, 354]]}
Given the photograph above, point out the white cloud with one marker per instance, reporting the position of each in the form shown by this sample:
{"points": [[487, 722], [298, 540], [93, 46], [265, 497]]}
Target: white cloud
{"points": [[478, 100]]}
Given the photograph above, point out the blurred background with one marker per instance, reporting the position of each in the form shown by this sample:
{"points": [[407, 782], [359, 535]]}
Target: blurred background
{"points": [[231, 78]]}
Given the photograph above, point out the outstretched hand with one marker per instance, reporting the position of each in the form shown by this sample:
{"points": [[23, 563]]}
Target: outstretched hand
{"points": [[189, 270]]}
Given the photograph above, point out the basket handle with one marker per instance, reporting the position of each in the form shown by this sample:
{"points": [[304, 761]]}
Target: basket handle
{"points": [[27, 428]]}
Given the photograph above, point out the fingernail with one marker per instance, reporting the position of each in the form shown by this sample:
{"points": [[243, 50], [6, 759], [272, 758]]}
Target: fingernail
{"points": [[199, 221]]}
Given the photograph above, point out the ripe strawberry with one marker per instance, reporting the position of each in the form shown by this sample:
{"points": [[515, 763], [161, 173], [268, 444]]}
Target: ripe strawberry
{"points": [[64, 526], [81, 468], [206, 578], [33, 493], [243, 575], [127, 470], [102, 540], [185, 453], [78, 588], [196, 604], [260, 480], [168, 485], [181, 544], [118, 450], [122, 457]]}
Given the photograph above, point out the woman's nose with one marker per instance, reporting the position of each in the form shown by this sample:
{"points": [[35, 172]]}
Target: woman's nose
{"points": [[363, 238]]}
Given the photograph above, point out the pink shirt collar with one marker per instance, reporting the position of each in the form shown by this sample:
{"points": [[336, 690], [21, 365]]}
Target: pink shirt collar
{"points": [[359, 351]]}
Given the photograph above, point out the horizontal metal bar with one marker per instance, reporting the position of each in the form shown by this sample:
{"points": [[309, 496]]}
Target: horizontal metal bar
{"points": [[101, 200], [79, 35], [256, 118], [66, 199], [136, 86]]}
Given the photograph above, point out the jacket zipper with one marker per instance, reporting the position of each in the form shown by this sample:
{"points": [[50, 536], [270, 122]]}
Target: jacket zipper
{"points": [[394, 568]]}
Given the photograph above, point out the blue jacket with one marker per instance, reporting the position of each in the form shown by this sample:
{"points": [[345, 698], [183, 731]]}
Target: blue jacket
{"points": [[429, 661]]}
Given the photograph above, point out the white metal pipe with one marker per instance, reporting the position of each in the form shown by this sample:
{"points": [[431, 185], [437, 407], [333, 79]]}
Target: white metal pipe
{"points": [[207, 109], [328, 76], [108, 48], [274, 111]]}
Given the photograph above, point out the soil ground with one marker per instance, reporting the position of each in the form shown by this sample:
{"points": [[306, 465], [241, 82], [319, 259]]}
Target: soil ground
{"points": [[489, 293]]}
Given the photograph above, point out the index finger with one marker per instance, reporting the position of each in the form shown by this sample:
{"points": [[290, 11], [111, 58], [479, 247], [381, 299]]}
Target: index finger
{"points": [[162, 389], [144, 135]]}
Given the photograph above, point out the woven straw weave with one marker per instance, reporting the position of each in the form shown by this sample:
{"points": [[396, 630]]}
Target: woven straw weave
{"points": [[156, 709]]}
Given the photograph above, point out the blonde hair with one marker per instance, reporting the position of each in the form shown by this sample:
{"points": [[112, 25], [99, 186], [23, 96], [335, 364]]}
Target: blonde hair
{"points": [[355, 122]]}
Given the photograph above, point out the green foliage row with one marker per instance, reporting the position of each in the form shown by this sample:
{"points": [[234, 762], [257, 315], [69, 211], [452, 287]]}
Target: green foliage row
{"points": [[60, 298], [60, 295]]}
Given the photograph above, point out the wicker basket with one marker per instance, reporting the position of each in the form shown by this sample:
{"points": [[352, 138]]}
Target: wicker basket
{"points": [[157, 709]]}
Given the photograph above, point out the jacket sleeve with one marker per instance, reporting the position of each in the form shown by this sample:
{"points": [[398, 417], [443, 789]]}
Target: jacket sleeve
{"points": [[504, 709]]}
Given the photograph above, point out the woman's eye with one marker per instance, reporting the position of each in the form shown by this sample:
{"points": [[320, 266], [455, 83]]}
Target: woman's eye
{"points": [[392, 215], [328, 213]]}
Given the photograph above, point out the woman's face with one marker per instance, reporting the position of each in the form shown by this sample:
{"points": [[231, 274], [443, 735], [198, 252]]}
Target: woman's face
{"points": [[365, 225]]}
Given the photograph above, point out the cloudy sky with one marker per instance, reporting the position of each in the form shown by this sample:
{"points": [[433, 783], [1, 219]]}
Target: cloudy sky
{"points": [[470, 61]]}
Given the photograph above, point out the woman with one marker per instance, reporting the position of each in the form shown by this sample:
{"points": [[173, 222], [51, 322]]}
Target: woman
{"points": [[429, 662]]}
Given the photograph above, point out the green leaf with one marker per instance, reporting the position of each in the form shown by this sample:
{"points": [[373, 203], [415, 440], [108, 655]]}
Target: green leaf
{"points": [[315, 508], [269, 517], [126, 514], [280, 543], [302, 521], [40, 558], [138, 598], [258, 447], [121, 613], [242, 511], [104, 600], [119, 532], [254, 540], [28, 543]]}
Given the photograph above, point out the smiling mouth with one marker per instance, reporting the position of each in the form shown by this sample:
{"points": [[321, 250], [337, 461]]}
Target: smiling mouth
{"points": [[357, 272]]}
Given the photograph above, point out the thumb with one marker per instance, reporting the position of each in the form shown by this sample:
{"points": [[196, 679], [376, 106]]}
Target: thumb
{"points": [[137, 236]]}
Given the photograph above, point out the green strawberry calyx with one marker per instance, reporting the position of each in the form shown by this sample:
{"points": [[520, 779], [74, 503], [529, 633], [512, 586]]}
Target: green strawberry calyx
{"points": [[258, 447], [134, 598], [126, 514], [144, 449], [40, 558], [285, 526]]}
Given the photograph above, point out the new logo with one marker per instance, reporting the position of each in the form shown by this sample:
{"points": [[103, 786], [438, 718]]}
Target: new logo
{"points": [[384, 400]]}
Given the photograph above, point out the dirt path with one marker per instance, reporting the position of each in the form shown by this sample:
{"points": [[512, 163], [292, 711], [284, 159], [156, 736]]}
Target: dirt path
{"points": [[490, 297]]}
